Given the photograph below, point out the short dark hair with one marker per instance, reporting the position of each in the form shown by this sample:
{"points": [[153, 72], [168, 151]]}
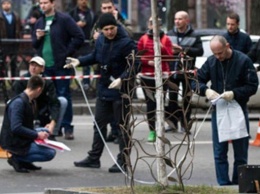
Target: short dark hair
{"points": [[234, 16], [35, 82], [107, 1]]}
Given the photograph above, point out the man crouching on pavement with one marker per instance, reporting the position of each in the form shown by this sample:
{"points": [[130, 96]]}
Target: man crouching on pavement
{"points": [[18, 134]]}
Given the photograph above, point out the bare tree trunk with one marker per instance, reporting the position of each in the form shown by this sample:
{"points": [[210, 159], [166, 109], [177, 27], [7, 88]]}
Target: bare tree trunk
{"points": [[254, 17], [161, 166]]}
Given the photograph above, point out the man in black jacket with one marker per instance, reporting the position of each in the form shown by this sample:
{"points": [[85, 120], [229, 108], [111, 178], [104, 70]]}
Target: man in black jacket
{"points": [[111, 50], [234, 79], [238, 40], [185, 42], [18, 134], [50, 108]]}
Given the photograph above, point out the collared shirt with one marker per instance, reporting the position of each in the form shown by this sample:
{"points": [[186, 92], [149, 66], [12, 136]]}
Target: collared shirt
{"points": [[9, 16]]}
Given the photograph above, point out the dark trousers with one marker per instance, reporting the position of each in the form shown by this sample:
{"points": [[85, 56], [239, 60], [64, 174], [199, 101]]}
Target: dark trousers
{"points": [[149, 89], [174, 111], [120, 110], [240, 147]]}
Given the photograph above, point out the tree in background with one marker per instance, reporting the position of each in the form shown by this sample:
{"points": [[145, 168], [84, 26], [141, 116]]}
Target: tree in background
{"points": [[254, 18]]}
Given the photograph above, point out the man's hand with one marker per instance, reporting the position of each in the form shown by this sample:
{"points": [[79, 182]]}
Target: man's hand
{"points": [[176, 48], [229, 95], [116, 84], [43, 135], [95, 35], [71, 62], [50, 126], [211, 94]]}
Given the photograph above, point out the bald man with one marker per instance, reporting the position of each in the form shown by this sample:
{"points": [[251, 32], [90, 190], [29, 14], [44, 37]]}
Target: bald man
{"points": [[232, 76], [184, 41]]}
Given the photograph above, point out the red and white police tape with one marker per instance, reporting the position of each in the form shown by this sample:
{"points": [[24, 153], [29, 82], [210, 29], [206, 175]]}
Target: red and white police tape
{"points": [[93, 76]]}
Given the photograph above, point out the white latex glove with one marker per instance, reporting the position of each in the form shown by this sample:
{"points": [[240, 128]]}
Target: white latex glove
{"points": [[229, 95], [71, 62], [211, 94], [116, 84]]}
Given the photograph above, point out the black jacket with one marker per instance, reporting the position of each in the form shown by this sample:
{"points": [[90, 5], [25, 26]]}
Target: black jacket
{"points": [[239, 41], [17, 131], [88, 17], [111, 56], [254, 54], [66, 37], [241, 77], [190, 42]]}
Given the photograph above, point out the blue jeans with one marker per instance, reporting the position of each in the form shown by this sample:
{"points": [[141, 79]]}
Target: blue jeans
{"points": [[63, 89], [37, 153], [240, 147], [63, 107]]}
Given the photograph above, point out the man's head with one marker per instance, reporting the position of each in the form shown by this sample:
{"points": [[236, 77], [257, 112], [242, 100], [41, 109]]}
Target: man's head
{"points": [[6, 5], [150, 23], [181, 21], [232, 22], [107, 6], [108, 25], [220, 48], [35, 86], [47, 6], [82, 4], [36, 65]]}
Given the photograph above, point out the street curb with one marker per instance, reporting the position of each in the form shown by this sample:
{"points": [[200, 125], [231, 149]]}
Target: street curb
{"points": [[66, 191]]}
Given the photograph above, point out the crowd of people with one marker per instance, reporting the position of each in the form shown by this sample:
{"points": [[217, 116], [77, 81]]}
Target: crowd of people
{"points": [[57, 36]]}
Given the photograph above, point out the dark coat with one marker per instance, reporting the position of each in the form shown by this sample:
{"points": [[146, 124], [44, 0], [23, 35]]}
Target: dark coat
{"points": [[254, 54], [241, 77], [66, 37], [89, 19], [17, 131], [191, 44], [111, 55], [18, 26], [239, 41]]}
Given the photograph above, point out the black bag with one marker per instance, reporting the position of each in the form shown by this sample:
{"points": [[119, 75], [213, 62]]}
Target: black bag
{"points": [[249, 178]]}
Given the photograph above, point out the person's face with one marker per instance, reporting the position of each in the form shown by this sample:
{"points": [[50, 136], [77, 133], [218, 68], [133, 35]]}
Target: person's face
{"points": [[180, 21], [35, 69], [232, 25], [6, 6], [219, 50], [46, 6], [82, 3], [107, 8], [109, 31]]}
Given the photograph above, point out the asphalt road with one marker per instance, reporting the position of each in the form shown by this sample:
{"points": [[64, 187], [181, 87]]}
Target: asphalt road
{"points": [[61, 173]]}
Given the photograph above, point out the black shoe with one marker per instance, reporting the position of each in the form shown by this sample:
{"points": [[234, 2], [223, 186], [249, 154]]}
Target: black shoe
{"points": [[115, 169], [29, 166], [16, 165], [88, 163]]}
